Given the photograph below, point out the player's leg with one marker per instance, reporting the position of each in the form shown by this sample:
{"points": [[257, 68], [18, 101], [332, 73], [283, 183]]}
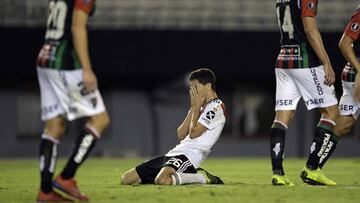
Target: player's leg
{"points": [[53, 130], [79, 103], [145, 173], [287, 98], [277, 146], [348, 114], [130, 177], [277, 137], [324, 137], [343, 126], [318, 95], [178, 170], [323, 144], [84, 144], [165, 176]]}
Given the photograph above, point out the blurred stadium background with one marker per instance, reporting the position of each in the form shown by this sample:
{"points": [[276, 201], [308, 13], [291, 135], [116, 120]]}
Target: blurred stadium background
{"points": [[142, 50]]}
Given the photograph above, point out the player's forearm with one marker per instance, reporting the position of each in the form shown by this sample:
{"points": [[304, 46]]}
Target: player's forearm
{"points": [[347, 50], [316, 43], [193, 131], [315, 40], [80, 40], [183, 129]]}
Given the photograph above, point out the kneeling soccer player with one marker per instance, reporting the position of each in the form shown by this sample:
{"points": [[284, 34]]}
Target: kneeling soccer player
{"points": [[198, 133]]}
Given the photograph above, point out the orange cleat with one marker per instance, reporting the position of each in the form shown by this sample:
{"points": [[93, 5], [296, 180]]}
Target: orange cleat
{"points": [[51, 197], [69, 187]]}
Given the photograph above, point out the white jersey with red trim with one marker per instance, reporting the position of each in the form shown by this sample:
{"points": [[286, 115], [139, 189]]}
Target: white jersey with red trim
{"points": [[213, 117]]}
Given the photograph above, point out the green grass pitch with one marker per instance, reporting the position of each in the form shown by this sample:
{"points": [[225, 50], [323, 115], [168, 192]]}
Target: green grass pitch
{"points": [[246, 180]]}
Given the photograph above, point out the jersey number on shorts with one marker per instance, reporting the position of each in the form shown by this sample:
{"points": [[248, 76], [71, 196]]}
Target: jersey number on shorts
{"points": [[56, 20], [287, 25], [175, 161]]}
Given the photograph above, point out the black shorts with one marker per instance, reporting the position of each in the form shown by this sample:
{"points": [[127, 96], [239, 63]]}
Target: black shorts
{"points": [[148, 170]]}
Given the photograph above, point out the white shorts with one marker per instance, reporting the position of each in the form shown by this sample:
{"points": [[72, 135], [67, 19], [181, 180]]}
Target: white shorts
{"points": [[308, 83], [62, 93], [347, 105]]}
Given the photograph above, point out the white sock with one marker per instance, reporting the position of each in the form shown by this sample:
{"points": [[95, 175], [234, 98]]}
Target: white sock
{"points": [[188, 178]]}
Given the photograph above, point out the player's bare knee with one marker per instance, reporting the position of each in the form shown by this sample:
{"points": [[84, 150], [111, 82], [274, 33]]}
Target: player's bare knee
{"points": [[55, 127], [105, 119], [125, 180], [331, 112], [341, 130], [100, 121], [285, 116], [163, 180]]}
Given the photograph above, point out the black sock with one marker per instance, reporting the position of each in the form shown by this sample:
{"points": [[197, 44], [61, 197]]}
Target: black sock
{"points": [[277, 146], [83, 146], [330, 148], [48, 155], [320, 142]]}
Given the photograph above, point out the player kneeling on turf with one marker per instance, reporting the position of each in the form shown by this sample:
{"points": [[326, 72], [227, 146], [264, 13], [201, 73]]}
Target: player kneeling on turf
{"points": [[198, 133]]}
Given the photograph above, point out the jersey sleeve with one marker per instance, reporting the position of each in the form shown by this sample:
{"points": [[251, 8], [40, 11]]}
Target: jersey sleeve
{"points": [[353, 28], [84, 5], [212, 116], [309, 8]]}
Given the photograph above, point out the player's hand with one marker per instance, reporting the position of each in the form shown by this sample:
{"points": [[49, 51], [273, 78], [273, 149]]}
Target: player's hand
{"points": [[329, 75], [199, 96], [90, 80], [192, 97]]}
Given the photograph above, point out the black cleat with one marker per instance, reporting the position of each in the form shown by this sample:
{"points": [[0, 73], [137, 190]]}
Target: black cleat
{"points": [[210, 179]]}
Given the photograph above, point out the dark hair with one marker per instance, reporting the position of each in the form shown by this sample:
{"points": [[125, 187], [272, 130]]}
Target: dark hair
{"points": [[204, 76]]}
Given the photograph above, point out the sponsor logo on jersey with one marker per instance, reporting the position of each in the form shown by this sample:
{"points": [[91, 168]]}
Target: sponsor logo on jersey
{"points": [[86, 1], [355, 27], [290, 53], [206, 121], [210, 115], [316, 81]]}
